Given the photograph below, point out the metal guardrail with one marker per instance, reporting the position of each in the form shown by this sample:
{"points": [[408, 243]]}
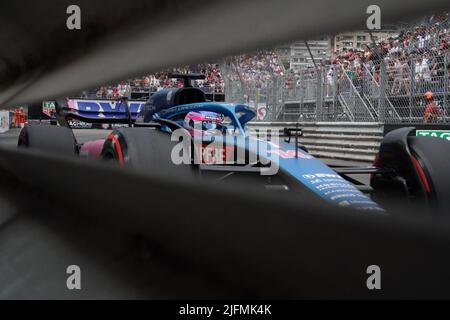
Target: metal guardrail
{"points": [[356, 141]]}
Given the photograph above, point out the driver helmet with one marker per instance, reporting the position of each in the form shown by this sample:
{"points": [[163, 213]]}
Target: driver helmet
{"points": [[208, 120]]}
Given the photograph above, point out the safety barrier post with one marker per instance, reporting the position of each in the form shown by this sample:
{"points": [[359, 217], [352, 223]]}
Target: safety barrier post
{"points": [[446, 84], [335, 81], [411, 88], [283, 104], [302, 93], [319, 98], [353, 99], [383, 88]]}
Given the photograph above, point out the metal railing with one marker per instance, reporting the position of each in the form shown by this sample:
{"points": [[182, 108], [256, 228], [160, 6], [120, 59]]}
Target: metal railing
{"points": [[390, 92], [385, 84], [350, 88]]}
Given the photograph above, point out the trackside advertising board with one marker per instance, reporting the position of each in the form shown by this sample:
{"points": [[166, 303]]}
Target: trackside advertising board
{"points": [[443, 134], [49, 108], [4, 121]]}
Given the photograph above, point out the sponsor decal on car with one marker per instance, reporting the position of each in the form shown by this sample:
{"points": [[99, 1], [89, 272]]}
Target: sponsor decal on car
{"points": [[213, 154]]}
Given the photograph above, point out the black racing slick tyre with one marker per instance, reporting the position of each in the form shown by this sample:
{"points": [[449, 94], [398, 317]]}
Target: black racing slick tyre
{"points": [[47, 138], [145, 149]]}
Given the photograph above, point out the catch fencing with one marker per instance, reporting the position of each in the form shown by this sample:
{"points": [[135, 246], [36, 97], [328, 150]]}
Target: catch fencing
{"points": [[402, 80], [383, 93]]}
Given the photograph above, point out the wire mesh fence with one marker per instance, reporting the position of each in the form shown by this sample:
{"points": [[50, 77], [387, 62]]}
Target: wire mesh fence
{"points": [[402, 79]]}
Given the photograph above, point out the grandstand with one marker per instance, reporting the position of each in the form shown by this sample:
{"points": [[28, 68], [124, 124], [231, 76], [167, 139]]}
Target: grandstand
{"points": [[382, 82], [143, 87]]}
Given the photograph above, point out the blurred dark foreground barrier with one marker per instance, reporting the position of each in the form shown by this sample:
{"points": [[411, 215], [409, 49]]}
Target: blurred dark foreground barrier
{"points": [[239, 244]]}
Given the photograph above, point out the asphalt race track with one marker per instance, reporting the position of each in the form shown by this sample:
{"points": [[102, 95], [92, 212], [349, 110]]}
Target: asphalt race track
{"points": [[9, 138]]}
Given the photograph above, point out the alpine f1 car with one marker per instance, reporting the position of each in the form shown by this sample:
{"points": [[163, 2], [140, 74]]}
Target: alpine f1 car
{"points": [[177, 132]]}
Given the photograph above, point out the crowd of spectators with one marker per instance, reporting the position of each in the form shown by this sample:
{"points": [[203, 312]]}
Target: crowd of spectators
{"points": [[419, 51], [258, 70], [213, 82], [416, 58]]}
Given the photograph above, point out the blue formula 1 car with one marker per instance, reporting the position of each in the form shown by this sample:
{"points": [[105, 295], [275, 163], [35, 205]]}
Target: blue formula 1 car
{"points": [[178, 133]]}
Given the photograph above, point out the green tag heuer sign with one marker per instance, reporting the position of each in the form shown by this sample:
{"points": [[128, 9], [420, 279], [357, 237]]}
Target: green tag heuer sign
{"points": [[351, 74], [444, 134], [49, 108]]}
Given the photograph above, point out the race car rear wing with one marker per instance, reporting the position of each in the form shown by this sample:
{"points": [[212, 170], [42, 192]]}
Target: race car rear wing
{"points": [[98, 110], [187, 78]]}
